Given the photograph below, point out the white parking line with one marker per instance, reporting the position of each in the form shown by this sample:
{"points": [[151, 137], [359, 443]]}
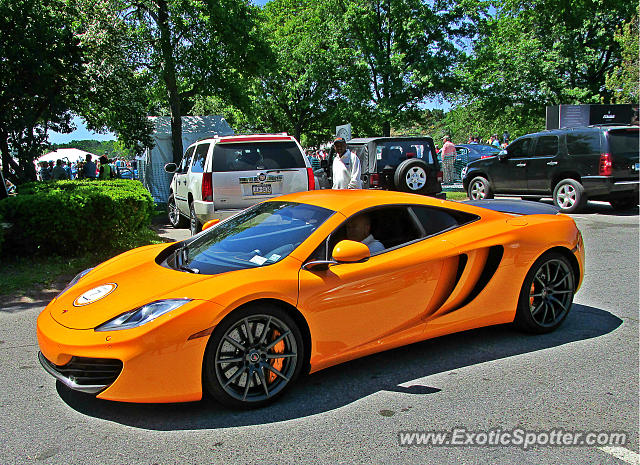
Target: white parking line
{"points": [[623, 454]]}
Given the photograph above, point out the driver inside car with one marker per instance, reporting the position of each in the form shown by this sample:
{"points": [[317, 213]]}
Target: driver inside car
{"points": [[359, 229]]}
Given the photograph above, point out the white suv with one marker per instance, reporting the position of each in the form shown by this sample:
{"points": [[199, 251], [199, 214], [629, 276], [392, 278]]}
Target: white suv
{"points": [[220, 176]]}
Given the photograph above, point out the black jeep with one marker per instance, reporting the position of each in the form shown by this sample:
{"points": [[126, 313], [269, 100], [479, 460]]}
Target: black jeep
{"points": [[407, 164]]}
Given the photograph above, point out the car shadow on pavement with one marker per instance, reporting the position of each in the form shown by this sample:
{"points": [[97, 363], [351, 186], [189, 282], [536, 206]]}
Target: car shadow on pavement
{"points": [[341, 385]]}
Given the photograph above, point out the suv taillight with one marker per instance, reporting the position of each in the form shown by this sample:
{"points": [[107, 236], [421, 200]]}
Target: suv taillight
{"points": [[440, 176], [605, 164], [374, 180], [207, 187], [311, 179]]}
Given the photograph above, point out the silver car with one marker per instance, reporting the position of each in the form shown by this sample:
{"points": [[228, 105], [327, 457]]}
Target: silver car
{"points": [[220, 176]]}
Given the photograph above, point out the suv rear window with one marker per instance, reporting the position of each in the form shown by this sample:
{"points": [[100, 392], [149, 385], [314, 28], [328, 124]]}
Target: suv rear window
{"points": [[583, 143], [256, 156], [395, 152], [623, 142]]}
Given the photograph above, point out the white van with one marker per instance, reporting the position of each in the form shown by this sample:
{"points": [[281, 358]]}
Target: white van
{"points": [[220, 176]]}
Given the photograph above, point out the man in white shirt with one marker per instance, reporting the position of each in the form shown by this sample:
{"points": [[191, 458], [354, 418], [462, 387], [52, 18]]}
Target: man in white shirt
{"points": [[359, 229], [346, 167]]}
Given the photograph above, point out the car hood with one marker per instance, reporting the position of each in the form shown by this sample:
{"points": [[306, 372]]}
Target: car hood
{"points": [[133, 279]]}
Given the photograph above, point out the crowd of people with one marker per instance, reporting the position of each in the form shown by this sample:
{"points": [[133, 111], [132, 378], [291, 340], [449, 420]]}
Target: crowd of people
{"points": [[84, 169]]}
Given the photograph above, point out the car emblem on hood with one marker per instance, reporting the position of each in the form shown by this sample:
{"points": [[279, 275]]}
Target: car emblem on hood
{"points": [[95, 294]]}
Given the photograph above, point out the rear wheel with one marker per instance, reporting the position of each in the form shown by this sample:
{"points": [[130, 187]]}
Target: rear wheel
{"points": [[176, 220], [479, 188], [625, 203], [253, 357], [569, 196], [194, 222], [546, 295]]}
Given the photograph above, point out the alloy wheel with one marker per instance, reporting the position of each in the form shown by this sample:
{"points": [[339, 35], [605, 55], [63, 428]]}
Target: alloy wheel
{"points": [[416, 178], [566, 196], [256, 358], [551, 292], [478, 190]]}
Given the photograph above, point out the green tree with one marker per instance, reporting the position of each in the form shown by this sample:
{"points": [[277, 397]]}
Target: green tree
{"points": [[191, 48], [401, 52], [622, 81], [544, 52], [296, 93], [39, 77]]}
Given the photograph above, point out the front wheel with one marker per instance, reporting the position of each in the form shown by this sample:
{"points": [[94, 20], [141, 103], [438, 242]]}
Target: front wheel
{"points": [[569, 196], [479, 188], [253, 356], [546, 295]]}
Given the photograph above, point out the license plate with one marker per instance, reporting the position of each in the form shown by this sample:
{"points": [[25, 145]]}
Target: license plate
{"points": [[636, 167], [261, 189]]}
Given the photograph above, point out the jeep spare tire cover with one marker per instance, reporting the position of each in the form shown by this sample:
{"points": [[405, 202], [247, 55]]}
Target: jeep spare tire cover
{"points": [[411, 176]]}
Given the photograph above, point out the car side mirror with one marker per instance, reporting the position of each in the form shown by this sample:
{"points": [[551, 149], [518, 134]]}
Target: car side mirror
{"points": [[350, 252], [170, 168], [210, 223], [502, 155]]}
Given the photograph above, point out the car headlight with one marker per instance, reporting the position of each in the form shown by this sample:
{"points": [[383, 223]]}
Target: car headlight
{"points": [[74, 280], [142, 315]]}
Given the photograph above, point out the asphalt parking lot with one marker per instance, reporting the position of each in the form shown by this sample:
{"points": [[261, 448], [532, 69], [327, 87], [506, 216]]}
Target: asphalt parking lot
{"points": [[583, 377]]}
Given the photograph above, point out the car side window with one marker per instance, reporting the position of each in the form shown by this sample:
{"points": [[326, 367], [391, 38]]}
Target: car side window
{"points": [[546, 146], [186, 159], [520, 148], [583, 143], [199, 158], [438, 220]]}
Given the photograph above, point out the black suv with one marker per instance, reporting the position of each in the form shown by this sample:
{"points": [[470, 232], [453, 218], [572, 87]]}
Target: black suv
{"points": [[407, 164], [572, 165]]}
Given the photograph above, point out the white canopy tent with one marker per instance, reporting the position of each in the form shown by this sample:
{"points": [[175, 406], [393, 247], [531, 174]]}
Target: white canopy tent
{"points": [[151, 169], [73, 155]]}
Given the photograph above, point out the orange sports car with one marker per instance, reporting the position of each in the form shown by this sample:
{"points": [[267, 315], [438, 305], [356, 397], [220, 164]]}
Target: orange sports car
{"points": [[302, 282]]}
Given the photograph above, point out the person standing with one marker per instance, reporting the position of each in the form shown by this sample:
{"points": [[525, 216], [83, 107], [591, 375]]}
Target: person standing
{"points": [[105, 168], [58, 172], [346, 167], [89, 171], [448, 158]]}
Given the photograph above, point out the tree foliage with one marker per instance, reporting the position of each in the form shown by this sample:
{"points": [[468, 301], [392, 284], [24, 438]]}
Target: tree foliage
{"points": [[544, 52], [622, 81], [40, 74]]}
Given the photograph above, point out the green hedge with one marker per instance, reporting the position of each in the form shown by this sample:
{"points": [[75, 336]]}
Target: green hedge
{"points": [[74, 217]]}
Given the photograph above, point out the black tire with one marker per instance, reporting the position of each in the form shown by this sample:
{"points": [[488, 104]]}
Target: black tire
{"points": [[569, 196], [194, 223], [546, 295], [479, 189], [254, 376], [412, 176], [175, 218], [624, 203]]}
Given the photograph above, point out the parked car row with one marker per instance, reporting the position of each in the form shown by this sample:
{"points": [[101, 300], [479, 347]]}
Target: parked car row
{"points": [[220, 176]]}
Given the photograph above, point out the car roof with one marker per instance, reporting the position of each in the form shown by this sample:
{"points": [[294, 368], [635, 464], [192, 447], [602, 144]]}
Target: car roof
{"points": [[350, 201], [250, 138], [599, 127], [366, 140]]}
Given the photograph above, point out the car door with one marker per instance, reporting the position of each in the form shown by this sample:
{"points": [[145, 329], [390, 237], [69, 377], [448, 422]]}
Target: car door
{"points": [[543, 164], [352, 307], [181, 179], [509, 175]]}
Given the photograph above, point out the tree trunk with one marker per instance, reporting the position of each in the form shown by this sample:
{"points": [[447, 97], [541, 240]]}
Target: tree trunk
{"points": [[169, 76], [386, 129]]}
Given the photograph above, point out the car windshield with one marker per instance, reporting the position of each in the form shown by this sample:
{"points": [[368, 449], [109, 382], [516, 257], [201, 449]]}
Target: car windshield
{"points": [[395, 152], [256, 156], [259, 236]]}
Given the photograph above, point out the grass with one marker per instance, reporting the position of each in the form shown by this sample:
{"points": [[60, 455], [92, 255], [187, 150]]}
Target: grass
{"points": [[20, 275], [454, 195]]}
